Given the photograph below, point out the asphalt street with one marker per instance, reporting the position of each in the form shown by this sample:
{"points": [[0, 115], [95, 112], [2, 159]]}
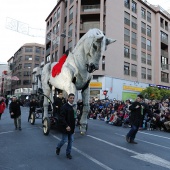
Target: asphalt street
{"points": [[103, 147]]}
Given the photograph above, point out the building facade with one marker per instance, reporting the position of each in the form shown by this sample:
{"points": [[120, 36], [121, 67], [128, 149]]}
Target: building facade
{"points": [[29, 56], [138, 59]]}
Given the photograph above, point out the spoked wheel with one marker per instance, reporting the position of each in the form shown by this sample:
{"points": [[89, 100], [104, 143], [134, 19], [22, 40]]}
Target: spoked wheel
{"points": [[32, 118], [46, 126]]}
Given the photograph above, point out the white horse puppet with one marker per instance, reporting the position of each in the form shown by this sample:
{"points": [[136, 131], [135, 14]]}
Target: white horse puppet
{"points": [[76, 72]]}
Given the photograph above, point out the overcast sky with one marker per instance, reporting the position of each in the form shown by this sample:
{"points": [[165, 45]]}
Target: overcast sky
{"points": [[30, 14]]}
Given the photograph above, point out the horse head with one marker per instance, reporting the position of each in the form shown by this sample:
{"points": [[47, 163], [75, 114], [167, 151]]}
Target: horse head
{"points": [[94, 46]]}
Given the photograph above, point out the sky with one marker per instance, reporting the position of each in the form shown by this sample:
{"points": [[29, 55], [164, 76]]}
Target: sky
{"points": [[29, 16]]}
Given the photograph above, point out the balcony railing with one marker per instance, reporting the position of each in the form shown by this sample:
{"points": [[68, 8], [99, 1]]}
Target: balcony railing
{"points": [[127, 38], [164, 53], [143, 30], [134, 41], [149, 19], [149, 62], [143, 45], [143, 60], [127, 5], [127, 55], [91, 8], [148, 48], [164, 40], [87, 25], [134, 56], [134, 9], [162, 25]]}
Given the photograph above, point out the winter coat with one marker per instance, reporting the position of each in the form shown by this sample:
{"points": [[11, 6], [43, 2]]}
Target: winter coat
{"points": [[66, 118], [2, 106], [136, 117], [15, 108]]}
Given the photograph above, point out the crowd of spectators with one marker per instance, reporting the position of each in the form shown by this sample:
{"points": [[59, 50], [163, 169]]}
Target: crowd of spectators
{"points": [[156, 114]]}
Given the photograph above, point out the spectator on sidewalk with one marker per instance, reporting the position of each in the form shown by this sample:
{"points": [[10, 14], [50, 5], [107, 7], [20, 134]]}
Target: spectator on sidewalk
{"points": [[2, 106]]}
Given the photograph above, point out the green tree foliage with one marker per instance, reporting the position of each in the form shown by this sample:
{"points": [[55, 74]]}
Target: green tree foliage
{"points": [[155, 93]]}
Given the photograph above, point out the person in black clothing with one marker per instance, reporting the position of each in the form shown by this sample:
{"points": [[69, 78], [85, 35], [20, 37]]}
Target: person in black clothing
{"points": [[67, 125], [33, 105], [136, 117], [15, 111], [6, 102], [58, 103]]}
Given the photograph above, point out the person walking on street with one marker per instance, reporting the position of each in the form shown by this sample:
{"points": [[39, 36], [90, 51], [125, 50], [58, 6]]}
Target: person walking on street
{"points": [[136, 117], [67, 125], [15, 111], [2, 106]]}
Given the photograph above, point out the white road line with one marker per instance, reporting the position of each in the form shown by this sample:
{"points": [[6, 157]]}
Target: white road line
{"points": [[147, 142], [6, 132], [144, 157], [154, 135], [117, 146], [88, 156]]}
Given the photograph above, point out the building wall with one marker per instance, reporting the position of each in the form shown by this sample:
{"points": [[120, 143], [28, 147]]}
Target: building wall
{"points": [[110, 17]]}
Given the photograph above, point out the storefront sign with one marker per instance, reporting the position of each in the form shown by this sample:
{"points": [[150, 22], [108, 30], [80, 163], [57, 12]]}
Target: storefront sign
{"points": [[95, 85], [133, 88]]}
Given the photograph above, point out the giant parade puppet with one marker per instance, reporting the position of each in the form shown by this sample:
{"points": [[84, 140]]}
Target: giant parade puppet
{"points": [[76, 72]]}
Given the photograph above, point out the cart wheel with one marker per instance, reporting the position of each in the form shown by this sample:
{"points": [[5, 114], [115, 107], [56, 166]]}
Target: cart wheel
{"points": [[32, 118], [46, 126]]}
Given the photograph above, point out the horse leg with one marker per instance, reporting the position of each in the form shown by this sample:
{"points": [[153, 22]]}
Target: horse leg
{"points": [[83, 120], [46, 103]]}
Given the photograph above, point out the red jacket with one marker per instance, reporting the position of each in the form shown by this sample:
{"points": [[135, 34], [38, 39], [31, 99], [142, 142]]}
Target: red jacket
{"points": [[2, 107]]}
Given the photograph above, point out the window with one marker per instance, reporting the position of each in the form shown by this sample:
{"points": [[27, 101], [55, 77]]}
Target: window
{"points": [[143, 43], [149, 62], [58, 13], [164, 62], [148, 16], [37, 58], [143, 13], [134, 38], [164, 37], [103, 62], [27, 65], [162, 22], [133, 54], [134, 23], [166, 25], [70, 30], [26, 82], [127, 3], [134, 7], [28, 49], [55, 17], [149, 74], [38, 50], [143, 57], [126, 68], [126, 52], [126, 35], [127, 18], [164, 77], [143, 73], [148, 31], [71, 14], [48, 58], [143, 28], [148, 45], [27, 73], [55, 29], [28, 57], [134, 70]]}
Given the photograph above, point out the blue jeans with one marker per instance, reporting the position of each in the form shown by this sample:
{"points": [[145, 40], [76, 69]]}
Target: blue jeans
{"points": [[65, 138], [132, 133]]}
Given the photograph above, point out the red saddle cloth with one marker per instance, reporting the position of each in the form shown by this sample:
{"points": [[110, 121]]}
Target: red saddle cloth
{"points": [[57, 68]]}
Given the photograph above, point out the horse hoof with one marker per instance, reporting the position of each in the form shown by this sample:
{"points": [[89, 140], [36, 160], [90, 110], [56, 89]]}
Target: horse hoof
{"points": [[82, 133], [83, 128]]}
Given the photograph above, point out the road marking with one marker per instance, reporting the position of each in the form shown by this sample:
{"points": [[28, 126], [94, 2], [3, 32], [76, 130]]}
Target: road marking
{"points": [[88, 156], [6, 132], [144, 157], [154, 135], [153, 159], [147, 142]]}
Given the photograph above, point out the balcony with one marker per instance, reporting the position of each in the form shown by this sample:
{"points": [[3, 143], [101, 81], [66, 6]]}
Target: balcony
{"points": [[127, 55], [134, 25], [127, 21], [134, 57], [91, 8], [164, 53], [143, 45], [134, 41], [143, 30], [164, 40], [88, 25], [126, 72], [126, 38]]}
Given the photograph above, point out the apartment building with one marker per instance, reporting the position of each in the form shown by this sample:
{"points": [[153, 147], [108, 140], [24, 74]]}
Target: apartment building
{"points": [[27, 57], [138, 59]]}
